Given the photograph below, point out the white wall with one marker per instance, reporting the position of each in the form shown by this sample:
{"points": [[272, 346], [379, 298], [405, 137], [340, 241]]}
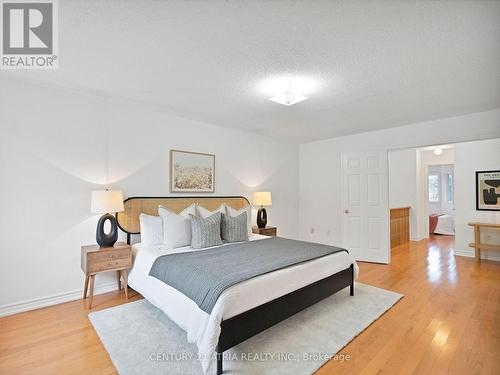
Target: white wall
{"points": [[320, 164], [403, 184], [56, 146], [469, 158]]}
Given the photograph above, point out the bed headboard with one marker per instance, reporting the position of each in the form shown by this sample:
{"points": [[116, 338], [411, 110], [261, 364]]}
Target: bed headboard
{"points": [[128, 220]]}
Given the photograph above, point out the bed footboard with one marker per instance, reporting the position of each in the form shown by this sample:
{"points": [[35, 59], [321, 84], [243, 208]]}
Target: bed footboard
{"points": [[249, 323]]}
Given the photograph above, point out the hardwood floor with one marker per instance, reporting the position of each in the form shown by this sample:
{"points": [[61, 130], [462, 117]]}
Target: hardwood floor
{"points": [[448, 322]]}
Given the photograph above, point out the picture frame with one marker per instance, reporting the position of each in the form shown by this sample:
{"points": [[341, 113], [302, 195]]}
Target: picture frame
{"points": [[191, 172], [488, 190]]}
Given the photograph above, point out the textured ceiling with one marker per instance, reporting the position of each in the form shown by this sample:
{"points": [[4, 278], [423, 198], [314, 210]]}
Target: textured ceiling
{"points": [[380, 64]]}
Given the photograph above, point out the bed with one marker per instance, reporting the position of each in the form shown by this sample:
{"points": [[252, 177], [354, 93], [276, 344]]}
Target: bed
{"points": [[239, 312], [442, 224]]}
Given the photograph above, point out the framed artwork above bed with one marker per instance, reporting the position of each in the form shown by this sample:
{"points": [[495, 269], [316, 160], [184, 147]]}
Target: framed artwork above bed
{"points": [[192, 172], [488, 190]]}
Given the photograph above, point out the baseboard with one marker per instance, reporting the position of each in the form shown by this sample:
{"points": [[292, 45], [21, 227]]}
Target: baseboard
{"points": [[470, 254], [418, 238], [464, 253], [36, 303]]}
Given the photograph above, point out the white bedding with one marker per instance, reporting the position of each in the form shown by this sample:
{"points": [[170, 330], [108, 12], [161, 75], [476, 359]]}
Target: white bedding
{"points": [[445, 225], [204, 329]]}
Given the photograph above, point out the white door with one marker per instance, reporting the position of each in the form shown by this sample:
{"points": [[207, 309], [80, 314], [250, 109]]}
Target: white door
{"points": [[366, 206]]}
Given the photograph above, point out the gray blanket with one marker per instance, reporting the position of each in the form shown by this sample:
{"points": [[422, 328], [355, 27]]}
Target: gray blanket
{"points": [[203, 275]]}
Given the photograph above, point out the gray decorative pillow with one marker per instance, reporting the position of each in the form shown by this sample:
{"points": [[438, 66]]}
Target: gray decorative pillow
{"points": [[234, 228], [205, 232]]}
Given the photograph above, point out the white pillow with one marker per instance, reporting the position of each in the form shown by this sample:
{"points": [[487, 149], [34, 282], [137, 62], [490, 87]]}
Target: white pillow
{"points": [[248, 209], [204, 213], [176, 227], [151, 229]]}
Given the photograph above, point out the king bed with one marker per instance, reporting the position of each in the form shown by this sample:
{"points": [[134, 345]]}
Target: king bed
{"points": [[175, 281]]}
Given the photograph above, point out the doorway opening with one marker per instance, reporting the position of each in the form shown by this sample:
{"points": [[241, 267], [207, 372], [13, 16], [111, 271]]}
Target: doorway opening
{"points": [[421, 194], [441, 205]]}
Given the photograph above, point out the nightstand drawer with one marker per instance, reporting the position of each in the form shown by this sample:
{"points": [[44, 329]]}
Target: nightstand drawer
{"points": [[110, 264], [107, 256], [99, 259], [96, 259], [267, 231]]}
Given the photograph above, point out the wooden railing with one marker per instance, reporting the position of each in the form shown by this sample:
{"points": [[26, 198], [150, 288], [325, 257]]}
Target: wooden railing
{"points": [[400, 226]]}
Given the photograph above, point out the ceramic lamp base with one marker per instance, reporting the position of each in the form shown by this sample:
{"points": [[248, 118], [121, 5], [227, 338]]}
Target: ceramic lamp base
{"points": [[106, 239], [261, 217]]}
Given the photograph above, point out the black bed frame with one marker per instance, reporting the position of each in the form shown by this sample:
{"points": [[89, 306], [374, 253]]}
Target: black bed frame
{"points": [[249, 323]]}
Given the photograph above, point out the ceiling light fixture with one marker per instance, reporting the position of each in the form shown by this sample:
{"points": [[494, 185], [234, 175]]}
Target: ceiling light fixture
{"points": [[438, 151], [288, 90], [288, 98]]}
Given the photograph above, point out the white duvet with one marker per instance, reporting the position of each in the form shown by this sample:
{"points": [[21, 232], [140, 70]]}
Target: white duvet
{"points": [[445, 225], [203, 328]]}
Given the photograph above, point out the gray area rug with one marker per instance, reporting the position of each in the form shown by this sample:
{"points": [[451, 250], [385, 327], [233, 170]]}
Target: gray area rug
{"points": [[140, 339]]}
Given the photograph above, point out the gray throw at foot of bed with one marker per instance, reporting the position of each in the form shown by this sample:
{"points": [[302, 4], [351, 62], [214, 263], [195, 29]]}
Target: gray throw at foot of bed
{"points": [[203, 275]]}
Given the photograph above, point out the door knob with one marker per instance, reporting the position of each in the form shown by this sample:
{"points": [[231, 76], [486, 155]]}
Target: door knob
{"points": [[346, 211]]}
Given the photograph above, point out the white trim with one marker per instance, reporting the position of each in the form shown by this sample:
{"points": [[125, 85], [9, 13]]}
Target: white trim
{"points": [[418, 238], [470, 254], [54, 299], [464, 253]]}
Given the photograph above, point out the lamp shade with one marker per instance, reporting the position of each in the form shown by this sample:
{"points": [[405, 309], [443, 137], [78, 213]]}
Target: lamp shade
{"points": [[262, 198], [106, 201]]}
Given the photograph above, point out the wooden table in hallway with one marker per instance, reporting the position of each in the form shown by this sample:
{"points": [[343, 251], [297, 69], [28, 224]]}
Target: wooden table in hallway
{"points": [[478, 244]]}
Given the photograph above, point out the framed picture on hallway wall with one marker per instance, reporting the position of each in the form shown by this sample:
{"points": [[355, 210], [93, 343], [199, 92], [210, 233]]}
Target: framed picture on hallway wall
{"points": [[192, 172], [488, 190]]}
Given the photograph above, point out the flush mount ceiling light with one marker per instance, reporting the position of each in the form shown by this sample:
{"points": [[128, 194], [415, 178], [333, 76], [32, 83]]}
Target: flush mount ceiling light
{"points": [[438, 151], [288, 98], [288, 90]]}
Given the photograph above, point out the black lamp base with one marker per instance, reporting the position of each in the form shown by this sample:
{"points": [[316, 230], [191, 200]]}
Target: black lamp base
{"points": [[261, 217], [109, 239]]}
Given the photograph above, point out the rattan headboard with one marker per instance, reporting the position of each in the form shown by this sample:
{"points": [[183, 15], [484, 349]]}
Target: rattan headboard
{"points": [[128, 220]]}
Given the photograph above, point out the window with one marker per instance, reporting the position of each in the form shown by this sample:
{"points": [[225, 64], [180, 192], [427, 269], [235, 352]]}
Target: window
{"points": [[449, 187], [433, 188]]}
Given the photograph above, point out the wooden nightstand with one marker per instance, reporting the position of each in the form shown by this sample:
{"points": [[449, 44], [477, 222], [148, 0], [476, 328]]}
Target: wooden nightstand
{"points": [[267, 231], [97, 259]]}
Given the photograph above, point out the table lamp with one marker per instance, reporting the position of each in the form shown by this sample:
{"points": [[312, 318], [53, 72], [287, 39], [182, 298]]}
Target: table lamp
{"points": [[106, 202], [262, 198]]}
